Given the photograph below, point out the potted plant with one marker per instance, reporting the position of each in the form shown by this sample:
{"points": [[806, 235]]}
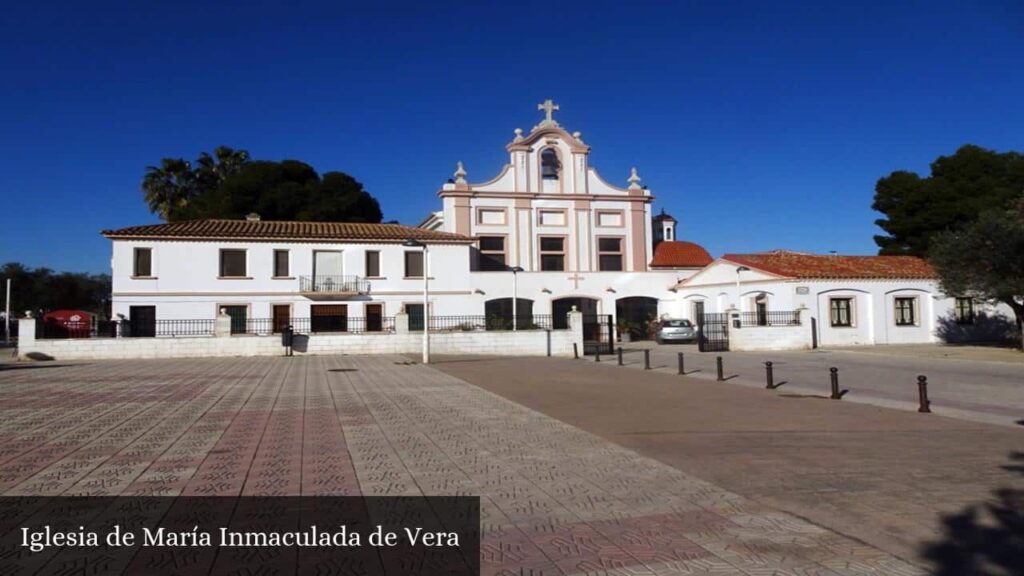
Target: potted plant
{"points": [[625, 329]]}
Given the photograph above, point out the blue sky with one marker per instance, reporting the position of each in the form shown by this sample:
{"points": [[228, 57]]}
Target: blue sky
{"points": [[758, 125]]}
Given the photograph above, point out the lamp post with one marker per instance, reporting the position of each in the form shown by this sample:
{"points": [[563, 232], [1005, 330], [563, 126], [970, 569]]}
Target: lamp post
{"points": [[515, 296], [410, 243], [738, 295]]}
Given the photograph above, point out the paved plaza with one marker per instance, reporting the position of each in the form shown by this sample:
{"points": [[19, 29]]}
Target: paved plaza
{"points": [[972, 383], [556, 499]]}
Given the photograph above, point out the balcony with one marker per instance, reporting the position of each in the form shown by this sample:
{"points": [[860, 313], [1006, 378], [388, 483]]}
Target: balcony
{"points": [[328, 287]]}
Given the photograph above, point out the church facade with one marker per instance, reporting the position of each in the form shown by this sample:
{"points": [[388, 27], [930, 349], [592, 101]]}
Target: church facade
{"points": [[569, 236]]}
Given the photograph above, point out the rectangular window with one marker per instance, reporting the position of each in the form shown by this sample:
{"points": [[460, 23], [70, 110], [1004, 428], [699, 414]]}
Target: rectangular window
{"points": [[414, 264], [840, 312], [373, 264], [609, 254], [492, 253], [552, 254], [232, 263], [905, 311], [964, 311], [143, 266], [280, 263]]}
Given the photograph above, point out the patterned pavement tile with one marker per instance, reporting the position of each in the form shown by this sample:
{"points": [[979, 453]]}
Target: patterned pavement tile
{"points": [[555, 500]]}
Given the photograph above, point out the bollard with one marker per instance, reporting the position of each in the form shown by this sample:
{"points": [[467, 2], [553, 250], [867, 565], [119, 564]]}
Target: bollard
{"points": [[834, 374], [620, 355], [597, 354], [769, 376], [575, 351], [682, 370], [721, 374], [647, 359], [924, 405]]}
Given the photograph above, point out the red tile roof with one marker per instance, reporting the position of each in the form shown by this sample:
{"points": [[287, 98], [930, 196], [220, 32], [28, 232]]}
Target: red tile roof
{"points": [[284, 230], [677, 254], [820, 266]]}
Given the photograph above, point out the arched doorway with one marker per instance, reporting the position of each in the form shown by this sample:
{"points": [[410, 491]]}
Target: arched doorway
{"points": [[634, 314], [500, 310], [562, 306]]}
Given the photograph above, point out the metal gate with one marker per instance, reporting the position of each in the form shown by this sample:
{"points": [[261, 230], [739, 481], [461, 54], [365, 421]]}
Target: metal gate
{"points": [[713, 332], [598, 334]]}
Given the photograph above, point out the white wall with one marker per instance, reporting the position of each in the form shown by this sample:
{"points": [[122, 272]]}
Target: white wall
{"points": [[873, 312], [185, 283], [522, 343]]}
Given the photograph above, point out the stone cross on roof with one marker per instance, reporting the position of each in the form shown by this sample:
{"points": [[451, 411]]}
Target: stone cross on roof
{"points": [[549, 108]]}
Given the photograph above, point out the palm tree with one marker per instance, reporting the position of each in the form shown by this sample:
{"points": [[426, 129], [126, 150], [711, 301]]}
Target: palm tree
{"points": [[170, 187]]}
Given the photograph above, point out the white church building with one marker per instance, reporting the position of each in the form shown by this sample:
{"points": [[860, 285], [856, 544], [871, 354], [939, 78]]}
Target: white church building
{"points": [[547, 232]]}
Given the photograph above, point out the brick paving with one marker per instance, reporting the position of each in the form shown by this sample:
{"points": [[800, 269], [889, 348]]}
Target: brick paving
{"points": [[555, 499]]}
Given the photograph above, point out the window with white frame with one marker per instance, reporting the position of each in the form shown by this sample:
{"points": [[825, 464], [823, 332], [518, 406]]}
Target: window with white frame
{"points": [[609, 254], [281, 263], [840, 312], [232, 263], [964, 311], [492, 253], [143, 264], [552, 253], [372, 264], [414, 264], [905, 311]]}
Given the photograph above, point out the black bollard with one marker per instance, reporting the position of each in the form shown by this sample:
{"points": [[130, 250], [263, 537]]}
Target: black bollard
{"points": [[620, 355], [597, 354], [769, 376], [835, 383], [647, 359], [721, 370], [575, 351], [924, 405], [682, 370]]}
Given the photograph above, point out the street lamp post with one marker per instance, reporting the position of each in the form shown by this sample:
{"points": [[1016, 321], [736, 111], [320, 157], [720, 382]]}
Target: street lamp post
{"points": [[515, 296], [738, 294], [410, 243]]}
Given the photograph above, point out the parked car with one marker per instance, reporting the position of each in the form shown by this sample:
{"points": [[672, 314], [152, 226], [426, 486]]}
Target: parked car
{"points": [[671, 330]]}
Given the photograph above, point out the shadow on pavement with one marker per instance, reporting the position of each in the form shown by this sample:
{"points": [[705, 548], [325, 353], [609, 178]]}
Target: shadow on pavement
{"points": [[984, 539], [4, 367]]}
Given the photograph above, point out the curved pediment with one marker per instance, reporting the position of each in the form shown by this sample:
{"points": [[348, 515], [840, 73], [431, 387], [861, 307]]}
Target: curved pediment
{"points": [[546, 132]]}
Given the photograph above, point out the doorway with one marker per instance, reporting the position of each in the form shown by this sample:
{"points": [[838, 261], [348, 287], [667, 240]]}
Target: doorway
{"points": [[142, 321], [560, 309]]}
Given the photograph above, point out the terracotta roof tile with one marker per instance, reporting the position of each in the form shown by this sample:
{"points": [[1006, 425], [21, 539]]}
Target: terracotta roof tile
{"points": [[678, 254], [285, 230], [820, 266]]}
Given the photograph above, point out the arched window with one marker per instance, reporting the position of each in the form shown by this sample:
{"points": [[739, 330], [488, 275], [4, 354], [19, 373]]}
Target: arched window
{"points": [[549, 165]]}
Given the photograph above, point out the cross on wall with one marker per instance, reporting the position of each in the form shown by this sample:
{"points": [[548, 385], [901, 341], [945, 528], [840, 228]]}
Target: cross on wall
{"points": [[576, 280]]}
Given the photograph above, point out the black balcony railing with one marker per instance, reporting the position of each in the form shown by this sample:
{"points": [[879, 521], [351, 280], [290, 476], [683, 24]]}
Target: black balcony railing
{"points": [[334, 284], [770, 318], [474, 323]]}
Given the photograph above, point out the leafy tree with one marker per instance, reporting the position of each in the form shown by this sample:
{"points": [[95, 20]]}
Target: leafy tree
{"points": [[228, 184], [287, 190], [42, 289], [983, 259], [959, 188], [170, 187]]}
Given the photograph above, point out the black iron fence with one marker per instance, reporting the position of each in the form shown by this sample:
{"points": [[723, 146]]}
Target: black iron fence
{"points": [[476, 323], [334, 284], [180, 328], [770, 318]]}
